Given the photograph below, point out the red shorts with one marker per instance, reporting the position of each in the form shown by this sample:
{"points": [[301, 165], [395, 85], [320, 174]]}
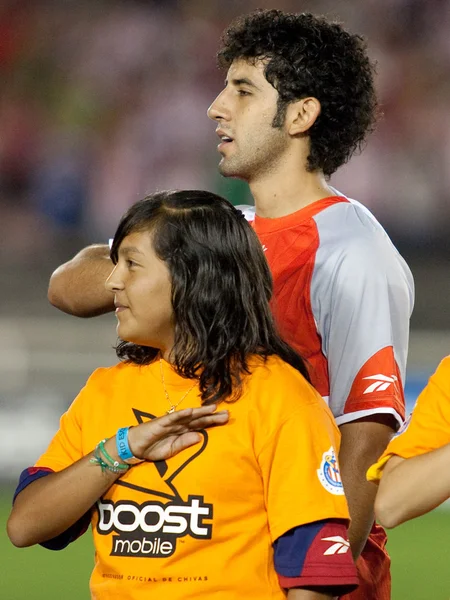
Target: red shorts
{"points": [[373, 569]]}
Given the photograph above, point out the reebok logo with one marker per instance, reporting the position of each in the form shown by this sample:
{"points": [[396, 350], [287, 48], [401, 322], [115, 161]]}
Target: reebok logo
{"points": [[382, 382], [340, 545]]}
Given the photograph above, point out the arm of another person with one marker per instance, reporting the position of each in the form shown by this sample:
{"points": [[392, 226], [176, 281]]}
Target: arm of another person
{"points": [[362, 298], [413, 486], [50, 505], [78, 286], [413, 473]]}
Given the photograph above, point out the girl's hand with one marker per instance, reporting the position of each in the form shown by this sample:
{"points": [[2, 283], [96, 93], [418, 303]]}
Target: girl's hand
{"points": [[168, 435]]}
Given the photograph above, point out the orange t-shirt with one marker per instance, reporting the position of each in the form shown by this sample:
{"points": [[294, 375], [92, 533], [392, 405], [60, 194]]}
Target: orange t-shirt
{"points": [[428, 427], [202, 524]]}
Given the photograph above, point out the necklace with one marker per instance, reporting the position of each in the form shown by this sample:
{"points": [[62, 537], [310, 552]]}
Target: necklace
{"points": [[172, 406]]}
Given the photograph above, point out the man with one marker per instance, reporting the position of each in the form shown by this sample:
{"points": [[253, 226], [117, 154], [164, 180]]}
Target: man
{"points": [[299, 99]]}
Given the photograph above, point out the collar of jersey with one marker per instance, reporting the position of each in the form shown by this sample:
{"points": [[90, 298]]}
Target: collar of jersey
{"points": [[267, 225]]}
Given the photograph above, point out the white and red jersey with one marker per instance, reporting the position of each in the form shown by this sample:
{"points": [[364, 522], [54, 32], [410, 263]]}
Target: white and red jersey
{"points": [[343, 297]]}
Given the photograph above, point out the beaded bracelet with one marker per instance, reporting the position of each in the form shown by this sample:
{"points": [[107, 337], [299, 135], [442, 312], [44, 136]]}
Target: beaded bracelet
{"points": [[106, 461], [97, 460]]}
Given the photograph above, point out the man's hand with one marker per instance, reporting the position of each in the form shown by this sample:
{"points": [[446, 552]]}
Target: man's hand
{"points": [[78, 286], [166, 436]]}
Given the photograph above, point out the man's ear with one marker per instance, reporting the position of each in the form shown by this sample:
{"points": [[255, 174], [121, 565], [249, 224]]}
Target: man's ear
{"points": [[301, 115]]}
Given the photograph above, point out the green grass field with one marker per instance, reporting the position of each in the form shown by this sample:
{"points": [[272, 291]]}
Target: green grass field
{"points": [[420, 563]]}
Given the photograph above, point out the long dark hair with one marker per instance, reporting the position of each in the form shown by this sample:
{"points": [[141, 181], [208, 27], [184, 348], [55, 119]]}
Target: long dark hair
{"points": [[221, 288]]}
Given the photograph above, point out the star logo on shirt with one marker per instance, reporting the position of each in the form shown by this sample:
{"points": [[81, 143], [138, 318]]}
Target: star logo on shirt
{"points": [[167, 471]]}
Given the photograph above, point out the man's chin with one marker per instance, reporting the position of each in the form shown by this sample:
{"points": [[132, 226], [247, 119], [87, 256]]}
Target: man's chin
{"points": [[228, 170]]}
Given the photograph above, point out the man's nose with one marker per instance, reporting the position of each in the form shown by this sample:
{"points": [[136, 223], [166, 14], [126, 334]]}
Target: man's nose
{"points": [[218, 110]]}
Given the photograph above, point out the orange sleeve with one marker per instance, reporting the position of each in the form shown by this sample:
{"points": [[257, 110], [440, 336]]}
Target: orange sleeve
{"points": [[428, 427], [66, 446], [300, 471]]}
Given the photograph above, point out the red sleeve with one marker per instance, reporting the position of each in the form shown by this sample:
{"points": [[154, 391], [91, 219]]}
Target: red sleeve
{"points": [[377, 387], [316, 555]]}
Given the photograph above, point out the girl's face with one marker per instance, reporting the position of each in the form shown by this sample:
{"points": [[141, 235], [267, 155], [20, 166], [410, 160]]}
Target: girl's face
{"points": [[142, 290]]}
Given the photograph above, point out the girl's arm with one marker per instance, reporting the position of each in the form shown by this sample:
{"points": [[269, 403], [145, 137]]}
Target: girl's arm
{"points": [[49, 506]]}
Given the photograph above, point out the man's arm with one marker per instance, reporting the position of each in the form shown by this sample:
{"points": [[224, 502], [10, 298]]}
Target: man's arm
{"points": [[78, 286], [362, 442], [362, 297]]}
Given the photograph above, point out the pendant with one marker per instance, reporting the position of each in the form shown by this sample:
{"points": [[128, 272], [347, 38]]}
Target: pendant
{"points": [[171, 410]]}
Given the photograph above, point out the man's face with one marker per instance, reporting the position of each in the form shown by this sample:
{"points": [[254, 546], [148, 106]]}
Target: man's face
{"points": [[142, 290], [244, 111]]}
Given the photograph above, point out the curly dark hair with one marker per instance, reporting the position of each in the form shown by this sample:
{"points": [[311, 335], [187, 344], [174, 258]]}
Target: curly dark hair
{"points": [[221, 288], [306, 55]]}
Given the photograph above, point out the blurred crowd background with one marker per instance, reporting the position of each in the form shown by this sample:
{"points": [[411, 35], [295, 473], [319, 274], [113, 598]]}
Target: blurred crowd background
{"points": [[103, 101]]}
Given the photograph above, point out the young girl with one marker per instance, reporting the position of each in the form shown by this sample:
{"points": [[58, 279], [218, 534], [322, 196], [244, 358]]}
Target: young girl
{"points": [[252, 509]]}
